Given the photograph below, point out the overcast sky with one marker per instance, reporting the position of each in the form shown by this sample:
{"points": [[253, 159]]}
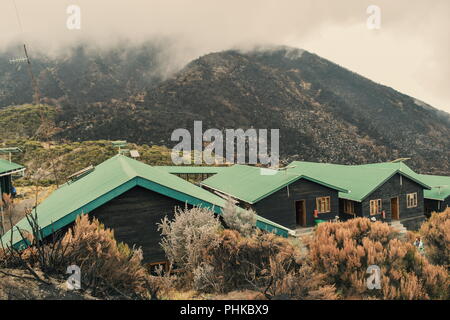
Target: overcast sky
{"points": [[410, 51]]}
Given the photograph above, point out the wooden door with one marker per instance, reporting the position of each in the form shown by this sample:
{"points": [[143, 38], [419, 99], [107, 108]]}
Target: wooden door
{"points": [[300, 210], [395, 213]]}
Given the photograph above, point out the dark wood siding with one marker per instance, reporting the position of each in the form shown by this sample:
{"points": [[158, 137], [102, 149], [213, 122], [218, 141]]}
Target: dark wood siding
{"points": [[344, 216], [445, 203], [399, 187], [436, 206], [279, 207], [133, 217], [5, 184]]}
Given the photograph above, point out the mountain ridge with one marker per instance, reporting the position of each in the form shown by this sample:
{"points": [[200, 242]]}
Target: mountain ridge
{"points": [[324, 112]]}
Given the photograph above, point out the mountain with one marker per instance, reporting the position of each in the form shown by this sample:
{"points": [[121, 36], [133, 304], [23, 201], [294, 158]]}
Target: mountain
{"points": [[324, 112]]}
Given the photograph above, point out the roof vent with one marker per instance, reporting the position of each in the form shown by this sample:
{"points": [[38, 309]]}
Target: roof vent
{"points": [[134, 154], [400, 160]]}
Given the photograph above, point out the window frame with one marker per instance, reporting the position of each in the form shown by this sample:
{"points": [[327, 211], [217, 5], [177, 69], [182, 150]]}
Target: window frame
{"points": [[326, 200], [378, 205], [351, 204], [411, 200]]}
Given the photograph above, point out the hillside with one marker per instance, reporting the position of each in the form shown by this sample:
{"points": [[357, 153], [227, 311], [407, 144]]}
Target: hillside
{"points": [[52, 162], [324, 112]]}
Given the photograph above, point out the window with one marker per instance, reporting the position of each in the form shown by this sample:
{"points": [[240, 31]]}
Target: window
{"points": [[375, 207], [411, 200], [323, 204], [349, 207]]}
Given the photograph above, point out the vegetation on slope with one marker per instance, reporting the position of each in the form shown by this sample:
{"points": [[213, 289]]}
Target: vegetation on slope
{"points": [[23, 121], [52, 162], [324, 112]]}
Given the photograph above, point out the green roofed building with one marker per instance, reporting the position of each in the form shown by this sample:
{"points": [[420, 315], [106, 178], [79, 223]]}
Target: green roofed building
{"points": [[286, 197], [129, 197], [384, 191], [438, 198], [7, 170]]}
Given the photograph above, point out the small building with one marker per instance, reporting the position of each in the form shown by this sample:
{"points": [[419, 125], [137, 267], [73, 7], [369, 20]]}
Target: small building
{"points": [[373, 189], [438, 198], [7, 170], [283, 196], [129, 197]]}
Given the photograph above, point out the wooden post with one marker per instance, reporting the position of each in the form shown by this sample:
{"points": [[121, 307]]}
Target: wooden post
{"points": [[1, 209]]}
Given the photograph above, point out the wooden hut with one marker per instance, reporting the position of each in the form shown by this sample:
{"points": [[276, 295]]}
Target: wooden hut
{"points": [[283, 196], [129, 197], [7, 170], [438, 198], [384, 191]]}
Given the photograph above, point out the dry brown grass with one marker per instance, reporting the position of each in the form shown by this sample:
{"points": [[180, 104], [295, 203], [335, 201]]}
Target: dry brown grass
{"points": [[436, 236], [108, 269], [343, 251]]}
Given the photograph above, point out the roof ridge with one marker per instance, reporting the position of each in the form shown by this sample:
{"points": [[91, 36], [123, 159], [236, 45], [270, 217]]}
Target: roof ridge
{"points": [[127, 166]]}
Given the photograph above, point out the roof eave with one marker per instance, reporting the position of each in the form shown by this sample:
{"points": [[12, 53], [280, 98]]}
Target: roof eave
{"points": [[228, 194], [14, 171]]}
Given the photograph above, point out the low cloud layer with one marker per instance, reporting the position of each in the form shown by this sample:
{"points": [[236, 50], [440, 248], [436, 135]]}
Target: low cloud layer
{"points": [[410, 51]]}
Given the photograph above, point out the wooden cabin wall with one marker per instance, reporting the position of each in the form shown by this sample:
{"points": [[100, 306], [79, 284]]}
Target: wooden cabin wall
{"points": [[5, 184], [431, 206], [134, 215], [436, 206], [279, 207], [344, 216], [391, 189], [445, 203]]}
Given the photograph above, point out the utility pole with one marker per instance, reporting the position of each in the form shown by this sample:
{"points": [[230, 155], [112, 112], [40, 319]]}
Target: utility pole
{"points": [[37, 94]]}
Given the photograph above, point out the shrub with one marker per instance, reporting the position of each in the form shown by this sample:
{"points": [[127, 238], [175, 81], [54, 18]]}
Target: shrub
{"points": [[242, 261], [106, 265], [244, 221], [343, 252], [436, 236], [187, 236], [262, 262], [301, 284]]}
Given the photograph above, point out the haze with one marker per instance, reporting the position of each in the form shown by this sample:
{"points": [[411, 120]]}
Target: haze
{"points": [[410, 52]]}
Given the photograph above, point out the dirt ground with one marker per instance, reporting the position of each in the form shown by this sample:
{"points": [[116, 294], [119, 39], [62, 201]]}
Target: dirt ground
{"points": [[21, 285], [25, 200]]}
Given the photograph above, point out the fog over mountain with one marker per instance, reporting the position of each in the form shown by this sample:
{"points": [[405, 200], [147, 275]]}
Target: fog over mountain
{"points": [[409, 52], [324, 111]]}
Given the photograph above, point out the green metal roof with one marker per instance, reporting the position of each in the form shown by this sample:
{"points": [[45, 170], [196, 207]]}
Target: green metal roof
{"points": [[111, 179], [191, 169], [6, 166], [359, 180], [440, 187], [252, 184]]}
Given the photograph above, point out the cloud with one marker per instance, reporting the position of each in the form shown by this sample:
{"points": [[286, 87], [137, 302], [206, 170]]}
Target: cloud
{"points": [[409, 53]]}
